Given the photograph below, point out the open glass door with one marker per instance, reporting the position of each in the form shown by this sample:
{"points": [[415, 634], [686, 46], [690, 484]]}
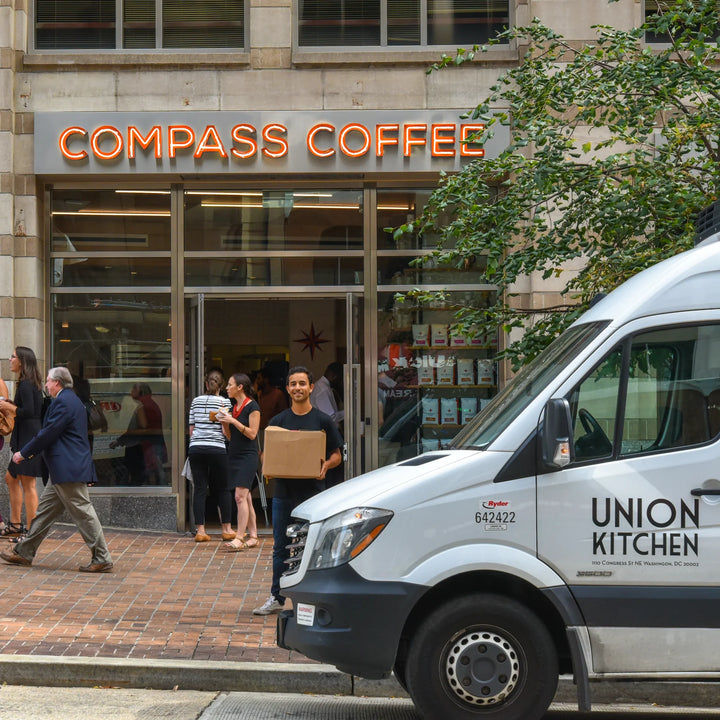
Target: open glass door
{"points": [[195, 338]]}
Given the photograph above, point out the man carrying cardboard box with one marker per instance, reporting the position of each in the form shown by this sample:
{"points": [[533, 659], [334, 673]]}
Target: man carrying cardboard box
{"points": [[290, 492]]}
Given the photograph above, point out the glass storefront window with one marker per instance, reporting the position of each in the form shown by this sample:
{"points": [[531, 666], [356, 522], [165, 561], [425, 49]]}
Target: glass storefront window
{"points": [[395, 255], [106, 272], [118, 348], [110, 221], [431, 380], [303, 271], [284, 220]]}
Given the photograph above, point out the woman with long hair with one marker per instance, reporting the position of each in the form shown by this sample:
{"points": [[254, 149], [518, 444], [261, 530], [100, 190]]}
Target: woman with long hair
{"points": [[20, 479], [208, 456], [4, 451], [243, 457]]}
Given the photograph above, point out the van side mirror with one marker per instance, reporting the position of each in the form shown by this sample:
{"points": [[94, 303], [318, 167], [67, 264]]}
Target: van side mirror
{"points": [[556, 435]]}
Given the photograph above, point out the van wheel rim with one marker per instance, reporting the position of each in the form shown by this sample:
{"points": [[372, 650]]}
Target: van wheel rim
{"points": [[482, 668]]}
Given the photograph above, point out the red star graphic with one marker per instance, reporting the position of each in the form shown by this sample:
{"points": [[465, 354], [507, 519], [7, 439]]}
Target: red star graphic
{"points": [[312, 340]]}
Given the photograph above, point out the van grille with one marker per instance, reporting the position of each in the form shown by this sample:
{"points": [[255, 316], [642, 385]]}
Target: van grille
{"points": [[297, 533], [707, 222]]}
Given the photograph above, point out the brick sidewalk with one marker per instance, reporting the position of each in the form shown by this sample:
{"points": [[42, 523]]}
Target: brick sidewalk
{"points": [[169, 598]]}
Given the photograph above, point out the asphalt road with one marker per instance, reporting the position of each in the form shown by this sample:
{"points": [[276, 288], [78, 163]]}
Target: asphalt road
{"points": [[32, 703]]}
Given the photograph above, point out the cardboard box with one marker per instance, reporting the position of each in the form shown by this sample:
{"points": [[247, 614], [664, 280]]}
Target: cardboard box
{"points": [[293, 453]]}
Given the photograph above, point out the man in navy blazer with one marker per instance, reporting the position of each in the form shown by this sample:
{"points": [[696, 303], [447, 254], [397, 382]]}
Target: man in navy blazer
{"points": [[63, 441]]}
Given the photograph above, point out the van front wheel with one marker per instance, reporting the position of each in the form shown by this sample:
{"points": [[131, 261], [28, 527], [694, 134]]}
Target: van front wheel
{"points": [[482, 656]]}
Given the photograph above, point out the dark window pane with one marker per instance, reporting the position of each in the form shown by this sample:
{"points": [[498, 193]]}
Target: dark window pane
{"points": [[208, 24], [465, 22], [339, 22], [403, 21], [139, 24], [67, 24]]}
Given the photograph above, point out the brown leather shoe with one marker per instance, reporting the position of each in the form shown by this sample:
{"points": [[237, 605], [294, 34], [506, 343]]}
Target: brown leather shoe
{"points": [[96, 567], [10, 556]]}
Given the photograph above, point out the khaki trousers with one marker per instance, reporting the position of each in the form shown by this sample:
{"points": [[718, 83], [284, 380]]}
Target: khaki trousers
{"points": [[75, 498]]}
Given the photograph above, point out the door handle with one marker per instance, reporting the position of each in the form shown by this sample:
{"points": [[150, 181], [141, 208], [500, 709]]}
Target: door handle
{"points": [[705, 491]]}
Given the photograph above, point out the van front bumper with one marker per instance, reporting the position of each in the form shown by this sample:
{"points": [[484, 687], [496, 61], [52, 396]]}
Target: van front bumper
{"points": [[347, 621]]}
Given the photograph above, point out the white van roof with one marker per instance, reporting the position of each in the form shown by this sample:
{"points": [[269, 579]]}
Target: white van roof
{"points": [[688, 281]]}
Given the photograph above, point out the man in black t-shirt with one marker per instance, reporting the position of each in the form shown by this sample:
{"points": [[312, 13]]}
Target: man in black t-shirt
{"points": [[290, 492]]}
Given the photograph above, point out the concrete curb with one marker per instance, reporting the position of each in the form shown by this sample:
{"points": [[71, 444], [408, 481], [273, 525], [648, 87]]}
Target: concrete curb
{"points": [[54, 671]]}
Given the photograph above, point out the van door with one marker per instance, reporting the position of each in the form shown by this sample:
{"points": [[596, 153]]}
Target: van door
{"points": [[633, 524]]}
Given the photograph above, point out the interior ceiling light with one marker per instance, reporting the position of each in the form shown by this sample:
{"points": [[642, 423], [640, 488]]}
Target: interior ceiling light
{"points": [[117, 213], [142, 192], [223, 193]]}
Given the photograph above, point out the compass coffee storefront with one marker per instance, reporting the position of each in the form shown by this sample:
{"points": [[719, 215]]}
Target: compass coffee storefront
{"points": [[248, 240]]}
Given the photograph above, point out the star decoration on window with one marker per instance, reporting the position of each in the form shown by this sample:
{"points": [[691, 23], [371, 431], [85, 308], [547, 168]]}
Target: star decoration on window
{"points": [[312, 341]]}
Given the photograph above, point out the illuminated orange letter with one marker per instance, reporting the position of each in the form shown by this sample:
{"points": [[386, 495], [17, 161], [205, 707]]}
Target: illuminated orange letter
{"points": [[63, 143], [174, 143], [409, 140], [154, 136], [354, 127], [249, 141], [276, 140], [205, 145], [439, 140], [311, 140], [95, 142], [466, 149], [381, 141]]}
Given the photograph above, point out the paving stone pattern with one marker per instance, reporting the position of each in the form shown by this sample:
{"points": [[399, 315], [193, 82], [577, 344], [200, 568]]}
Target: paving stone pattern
{"points": [[169, 598]]}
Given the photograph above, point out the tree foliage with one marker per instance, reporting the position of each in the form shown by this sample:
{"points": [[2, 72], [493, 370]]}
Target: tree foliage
{"points": [[615, 147]]}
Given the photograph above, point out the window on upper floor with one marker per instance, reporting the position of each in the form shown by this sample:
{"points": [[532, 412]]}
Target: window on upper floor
{"points": [[388, 23], [139, 24]]}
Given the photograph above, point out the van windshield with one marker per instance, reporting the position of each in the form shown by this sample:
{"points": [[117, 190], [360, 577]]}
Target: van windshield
{"points": [[525, 386]]}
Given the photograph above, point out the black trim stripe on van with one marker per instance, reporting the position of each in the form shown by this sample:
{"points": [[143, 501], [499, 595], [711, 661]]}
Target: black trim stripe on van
{"points": [[648, 606]]}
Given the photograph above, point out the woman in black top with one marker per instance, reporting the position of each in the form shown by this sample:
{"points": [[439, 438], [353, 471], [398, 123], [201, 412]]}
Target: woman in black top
{"points": [[28, 400], [243, 457]]}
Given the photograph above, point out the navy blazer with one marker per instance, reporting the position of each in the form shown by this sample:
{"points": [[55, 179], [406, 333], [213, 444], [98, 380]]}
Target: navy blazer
{"points": [[63, 441]]}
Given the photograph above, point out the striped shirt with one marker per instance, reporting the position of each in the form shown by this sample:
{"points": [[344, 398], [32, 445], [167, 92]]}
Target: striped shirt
{"points": [[205, 432]]}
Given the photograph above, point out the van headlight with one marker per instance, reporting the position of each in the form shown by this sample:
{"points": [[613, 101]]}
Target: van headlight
{"points": [[345, 535]]}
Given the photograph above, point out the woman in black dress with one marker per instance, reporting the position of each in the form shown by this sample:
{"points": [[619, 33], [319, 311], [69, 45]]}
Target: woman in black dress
{"points": [[28, 400], [243, 457]]}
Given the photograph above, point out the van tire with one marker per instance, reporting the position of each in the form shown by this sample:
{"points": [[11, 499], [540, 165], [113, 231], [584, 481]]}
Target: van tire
{"points": [[510, 651]]}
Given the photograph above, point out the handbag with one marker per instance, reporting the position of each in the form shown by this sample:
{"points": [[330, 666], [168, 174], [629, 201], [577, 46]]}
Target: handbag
{"points": [[7, 418]]}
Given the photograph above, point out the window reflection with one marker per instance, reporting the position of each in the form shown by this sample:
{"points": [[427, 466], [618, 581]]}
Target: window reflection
{"points": [[110, 220], [273, 220], [118, 348]]}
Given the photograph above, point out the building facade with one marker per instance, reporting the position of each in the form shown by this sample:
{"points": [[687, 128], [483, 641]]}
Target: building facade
{"points": [[189, 185]]}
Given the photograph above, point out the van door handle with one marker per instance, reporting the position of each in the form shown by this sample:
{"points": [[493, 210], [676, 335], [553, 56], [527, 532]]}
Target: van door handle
{"points": [[704, 491]]}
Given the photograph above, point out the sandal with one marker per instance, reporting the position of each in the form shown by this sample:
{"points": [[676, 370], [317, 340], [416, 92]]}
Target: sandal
{"points": [[240, 544], [17, 539], [13, 530]]}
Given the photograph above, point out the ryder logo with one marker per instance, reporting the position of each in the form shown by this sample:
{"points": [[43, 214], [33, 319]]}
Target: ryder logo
{"points": [[493, 504]]}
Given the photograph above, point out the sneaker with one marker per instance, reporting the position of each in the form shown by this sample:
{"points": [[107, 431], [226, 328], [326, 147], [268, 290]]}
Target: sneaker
{"points": [[271, 605]]}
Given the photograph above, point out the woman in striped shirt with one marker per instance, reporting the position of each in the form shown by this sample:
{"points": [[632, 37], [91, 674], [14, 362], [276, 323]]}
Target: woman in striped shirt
{"points": [[208, 456]]}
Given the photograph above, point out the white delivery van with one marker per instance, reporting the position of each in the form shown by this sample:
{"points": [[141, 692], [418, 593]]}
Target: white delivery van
{"points": [[573, 526]]}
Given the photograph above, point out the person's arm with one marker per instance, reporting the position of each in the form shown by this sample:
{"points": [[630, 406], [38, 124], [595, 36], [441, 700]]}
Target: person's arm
{"points": [[3, 390], [56, 421], [333, 461]]}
